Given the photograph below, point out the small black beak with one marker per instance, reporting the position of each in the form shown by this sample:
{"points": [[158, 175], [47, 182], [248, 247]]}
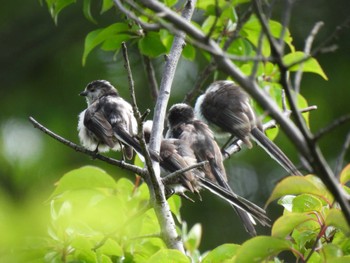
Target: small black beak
{"points": [[83, 93]]}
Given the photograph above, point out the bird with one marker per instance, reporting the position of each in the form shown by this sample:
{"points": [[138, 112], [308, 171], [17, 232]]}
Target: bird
{"points": [[183, 125], [175, 155], [108, 121], [226, 107]]}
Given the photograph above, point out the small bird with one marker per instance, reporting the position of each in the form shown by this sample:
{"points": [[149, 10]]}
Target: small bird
{"points": [[108, 122], [184, 126], [226, 107], [176, 154]]}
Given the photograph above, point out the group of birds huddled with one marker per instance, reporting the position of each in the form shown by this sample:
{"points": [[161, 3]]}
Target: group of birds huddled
{"points": [[108, 122]]}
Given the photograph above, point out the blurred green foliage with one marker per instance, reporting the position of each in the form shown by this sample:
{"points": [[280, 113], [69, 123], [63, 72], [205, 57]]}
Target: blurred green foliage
{"points": [[42, 74]]}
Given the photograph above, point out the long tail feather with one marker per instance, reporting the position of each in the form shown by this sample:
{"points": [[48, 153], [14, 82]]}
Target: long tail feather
{"points": [[275, 152]]}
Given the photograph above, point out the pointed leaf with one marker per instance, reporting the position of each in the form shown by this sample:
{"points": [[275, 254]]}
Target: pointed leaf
{"points": [[175, 205], [86, 177], [310, 65], [336, 218], [193, 238], [106, 5], [284, 225], [295, 185], [259, 248], [306, 203], [111, 248], [221, 253], [344, 259], [87, 11], [345, 175], [97, 37], [166, 255], [151, 45]]}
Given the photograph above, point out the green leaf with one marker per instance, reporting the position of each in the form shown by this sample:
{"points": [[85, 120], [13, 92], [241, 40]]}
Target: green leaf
{"points": [[206, 4], [175, 205], [306, 203], [345, 175], [151, 45], [193, 238], [287, 202], [294, 185], [285, 225], [189, 52], [166, 255], [106, 5], [259, 248], [344, 259], [336, 218], [56, 6], [87, 11], [116, 32], [169, 3], [87, 177], [331, 251], [310, 65], [252, 30], [221, 253], [111, 248]]}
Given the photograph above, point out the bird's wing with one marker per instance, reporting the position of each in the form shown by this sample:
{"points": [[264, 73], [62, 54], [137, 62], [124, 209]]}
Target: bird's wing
{"points": [[96, 122]]}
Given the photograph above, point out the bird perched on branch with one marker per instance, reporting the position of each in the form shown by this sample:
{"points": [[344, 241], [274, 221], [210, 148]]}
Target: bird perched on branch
{"points": [[196, 134], [176, 154], [108, 122], [227, 107]]}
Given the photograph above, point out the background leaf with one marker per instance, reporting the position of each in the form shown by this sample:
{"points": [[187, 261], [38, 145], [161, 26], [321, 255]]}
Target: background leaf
{"points": [[221, 253], [259, 248], [284, 225], [310, 65]]}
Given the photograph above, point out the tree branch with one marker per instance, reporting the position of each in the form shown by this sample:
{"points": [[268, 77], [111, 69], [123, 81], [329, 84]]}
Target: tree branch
{"points": [[315, 158], [160, 205], [133, 168], [151, 76]]}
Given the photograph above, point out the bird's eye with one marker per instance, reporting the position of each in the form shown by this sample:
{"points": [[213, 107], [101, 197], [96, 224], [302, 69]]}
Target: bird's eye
{"points": [[92, 90]]}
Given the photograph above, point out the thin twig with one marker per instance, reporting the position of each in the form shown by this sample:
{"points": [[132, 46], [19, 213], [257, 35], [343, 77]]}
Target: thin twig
{"points": [[236, 145], [133, 168], [137, 113], [202, 77], [212, 28], [131, 15], [307, 50], [315, 157], [151, 76], [322, 47], [341, 157], [173, 177], [335, 124], [314, 246]]}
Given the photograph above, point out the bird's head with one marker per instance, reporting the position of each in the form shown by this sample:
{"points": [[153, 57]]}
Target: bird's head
{"points": [[180, 113], [96, 89]]}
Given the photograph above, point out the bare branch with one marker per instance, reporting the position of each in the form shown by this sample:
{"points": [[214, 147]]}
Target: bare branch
{"points": [[173, 177], [340, 160], [315, 157], [131, 15], [133, 168], [151, 76], [335, 124], [202, 77], [307, 50], [236, 145]]}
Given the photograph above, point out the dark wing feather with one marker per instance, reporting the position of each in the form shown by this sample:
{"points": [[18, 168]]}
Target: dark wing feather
{"points": [[96, 122]]}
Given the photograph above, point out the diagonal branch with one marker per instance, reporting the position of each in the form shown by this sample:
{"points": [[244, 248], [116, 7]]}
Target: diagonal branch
{"points": [[133, 168]]}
